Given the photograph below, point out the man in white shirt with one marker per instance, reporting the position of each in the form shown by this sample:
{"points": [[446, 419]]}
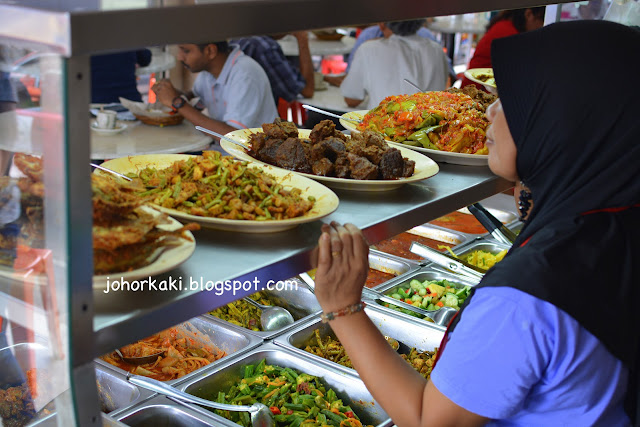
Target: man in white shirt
{"points": [[231, 85], [380, 66]]}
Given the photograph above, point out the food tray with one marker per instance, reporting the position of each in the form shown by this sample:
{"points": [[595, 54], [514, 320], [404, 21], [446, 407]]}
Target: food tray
{"points": [[301, 303], [500, 205], [162, 411], [433, 232], [421, 335], [425, 273], [390, 264], [347, 386], [223, 335], [116, 393]]}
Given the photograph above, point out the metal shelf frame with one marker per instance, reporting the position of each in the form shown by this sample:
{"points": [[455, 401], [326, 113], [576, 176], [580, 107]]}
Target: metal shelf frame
{"points": [[75, 31]]}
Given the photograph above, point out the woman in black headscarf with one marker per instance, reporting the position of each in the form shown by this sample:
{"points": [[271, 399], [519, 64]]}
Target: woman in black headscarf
{"points": [[551, 334]]}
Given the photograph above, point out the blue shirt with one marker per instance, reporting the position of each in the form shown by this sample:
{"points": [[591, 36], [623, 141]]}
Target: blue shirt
{"points": [[114, 75], [285, 79], [521, 361], [240, 96], [374, 32]]}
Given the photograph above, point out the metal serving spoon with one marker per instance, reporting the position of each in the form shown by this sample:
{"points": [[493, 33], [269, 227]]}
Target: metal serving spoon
{"points": [[470, 272], [414, 85], [221, 136], [272, 317], [140, 360], [260, 414], [326, 113], [110, 171]]}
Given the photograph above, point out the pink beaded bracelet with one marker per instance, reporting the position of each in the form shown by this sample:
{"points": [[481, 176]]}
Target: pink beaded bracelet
{"points": [[350, 309]]}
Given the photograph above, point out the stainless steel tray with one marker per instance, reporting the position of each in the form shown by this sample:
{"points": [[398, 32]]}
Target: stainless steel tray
{"points": [[162, 411], [392, 264], [115, 392], [225, 336], [347, 386], [425, 273], [301, 302], [421, 335]]}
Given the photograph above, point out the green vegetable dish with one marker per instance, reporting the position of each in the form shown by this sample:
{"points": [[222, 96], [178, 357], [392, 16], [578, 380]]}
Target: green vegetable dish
{"points": [[295, 399], [429, 295]]}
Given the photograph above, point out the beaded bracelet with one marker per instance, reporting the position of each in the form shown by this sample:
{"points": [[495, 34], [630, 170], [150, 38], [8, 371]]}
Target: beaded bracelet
{"points": [[350, 309]]}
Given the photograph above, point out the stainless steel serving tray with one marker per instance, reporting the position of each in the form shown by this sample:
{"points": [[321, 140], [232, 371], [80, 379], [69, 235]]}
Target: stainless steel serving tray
{"points": [[115, 392], [162, 411], [481, 243], [421, 335], [225, 336], [301, 303], [392, 264], [425, 273], [347, 386]]}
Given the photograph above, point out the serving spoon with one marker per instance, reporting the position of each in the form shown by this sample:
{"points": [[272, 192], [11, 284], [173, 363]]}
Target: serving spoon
{"points": [[260, 414], [102, 168], [326, 113], [414, 85], [272, 317], [221, 136], [140, 360]]}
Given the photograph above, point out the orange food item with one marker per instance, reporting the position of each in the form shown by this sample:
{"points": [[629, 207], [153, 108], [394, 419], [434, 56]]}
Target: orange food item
{"points": [[399, 245], [458, 221]]}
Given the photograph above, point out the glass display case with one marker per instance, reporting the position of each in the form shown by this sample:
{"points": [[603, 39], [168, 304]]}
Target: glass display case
{"points": [[55, 319]]}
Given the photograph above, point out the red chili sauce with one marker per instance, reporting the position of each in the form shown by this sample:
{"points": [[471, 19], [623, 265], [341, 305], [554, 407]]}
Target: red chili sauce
{"points": [[462, 222], [377, 277], [399, 245]]}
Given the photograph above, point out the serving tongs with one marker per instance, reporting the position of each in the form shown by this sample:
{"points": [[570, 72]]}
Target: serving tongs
{"points": [[440, 317], [450, 263], [493, 225]]}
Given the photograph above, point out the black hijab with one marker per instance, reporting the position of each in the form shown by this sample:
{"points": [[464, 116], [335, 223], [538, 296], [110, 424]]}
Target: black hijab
{"points": [[576, 124]]}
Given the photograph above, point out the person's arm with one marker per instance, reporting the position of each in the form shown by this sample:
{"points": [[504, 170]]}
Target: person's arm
{"points": [[306, 65], [352, 102], [166, 93], [342, 267], [334, 80]]}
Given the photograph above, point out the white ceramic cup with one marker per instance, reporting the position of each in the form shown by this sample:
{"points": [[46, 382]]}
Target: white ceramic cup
{"points": [[106, 119], [318, 79]]}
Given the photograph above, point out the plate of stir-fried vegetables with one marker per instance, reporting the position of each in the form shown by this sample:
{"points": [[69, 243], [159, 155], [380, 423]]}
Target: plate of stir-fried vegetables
{"points": [[450, 126], [220, 192]]}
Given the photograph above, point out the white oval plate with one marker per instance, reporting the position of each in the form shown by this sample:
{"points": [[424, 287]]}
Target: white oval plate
{"points": [[425, 167], [119, 128], [168, 259], [437, 155], [326, 200], [473, 73]]}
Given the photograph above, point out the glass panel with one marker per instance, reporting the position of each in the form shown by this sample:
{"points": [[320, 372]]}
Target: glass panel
{"points": [[34, 355]]}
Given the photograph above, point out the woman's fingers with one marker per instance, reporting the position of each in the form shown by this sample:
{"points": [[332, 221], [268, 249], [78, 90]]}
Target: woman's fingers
{"points": [[324, 251], [360, 246]]}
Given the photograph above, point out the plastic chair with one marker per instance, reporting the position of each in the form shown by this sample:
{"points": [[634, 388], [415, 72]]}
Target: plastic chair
{"points": [[292, 111]]}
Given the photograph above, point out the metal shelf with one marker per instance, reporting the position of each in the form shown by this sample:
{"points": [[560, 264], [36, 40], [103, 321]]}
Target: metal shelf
{"points": [[122, 317], [72, 28]]}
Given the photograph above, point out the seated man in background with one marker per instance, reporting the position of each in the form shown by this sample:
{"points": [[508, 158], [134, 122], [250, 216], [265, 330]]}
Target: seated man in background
{"points": [[380, 66], [232, 86], [287, 81], [114, 75]]}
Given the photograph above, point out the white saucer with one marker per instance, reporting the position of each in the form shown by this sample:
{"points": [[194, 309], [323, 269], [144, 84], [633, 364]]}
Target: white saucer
{"points": [[119, 128]]}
